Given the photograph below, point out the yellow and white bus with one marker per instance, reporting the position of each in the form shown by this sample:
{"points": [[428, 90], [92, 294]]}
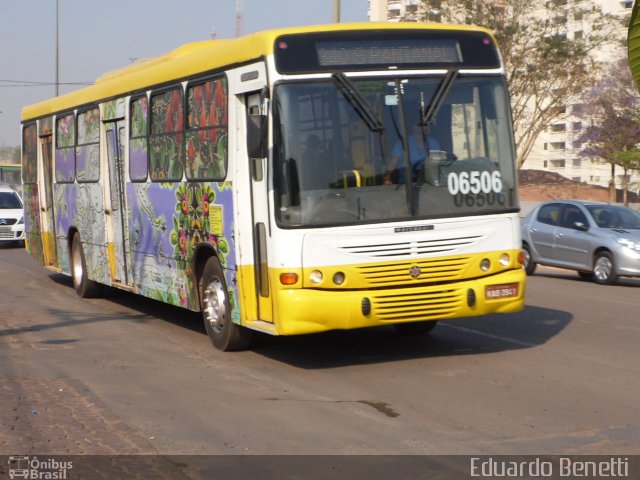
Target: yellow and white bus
{"points": [[291, 181]]}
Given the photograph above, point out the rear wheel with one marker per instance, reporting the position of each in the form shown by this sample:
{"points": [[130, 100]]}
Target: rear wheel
{"points": [[85, 287], [415, 328], [216, 311], [604, 269], [529, 265]]}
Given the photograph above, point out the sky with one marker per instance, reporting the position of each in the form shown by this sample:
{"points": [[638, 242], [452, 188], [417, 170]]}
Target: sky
{"points": [[97, 36]]}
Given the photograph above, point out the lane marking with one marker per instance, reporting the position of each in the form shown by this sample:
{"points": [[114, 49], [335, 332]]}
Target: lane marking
{"points": [[503, 338]]}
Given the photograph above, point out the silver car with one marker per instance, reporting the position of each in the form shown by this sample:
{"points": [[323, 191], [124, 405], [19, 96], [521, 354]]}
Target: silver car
{"points": [[598, 240]]}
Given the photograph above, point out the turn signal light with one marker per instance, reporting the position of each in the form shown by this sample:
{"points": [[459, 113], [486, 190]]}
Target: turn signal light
{"points": [[521, 258], [288, 278]]}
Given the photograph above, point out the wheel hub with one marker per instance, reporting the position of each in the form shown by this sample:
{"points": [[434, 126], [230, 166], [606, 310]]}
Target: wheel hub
{"points": [[214, 305], [603, 268]]}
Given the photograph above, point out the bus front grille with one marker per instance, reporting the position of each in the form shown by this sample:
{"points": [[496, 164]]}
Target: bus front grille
{"points": [[420, 247], [402, 273], [422, 306]]}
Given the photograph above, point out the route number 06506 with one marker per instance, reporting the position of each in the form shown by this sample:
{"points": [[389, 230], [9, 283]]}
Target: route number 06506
{"points": [[474, 182]]}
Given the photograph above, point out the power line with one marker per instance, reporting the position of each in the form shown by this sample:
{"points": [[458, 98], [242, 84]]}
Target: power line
{"points": [[30, 83]]}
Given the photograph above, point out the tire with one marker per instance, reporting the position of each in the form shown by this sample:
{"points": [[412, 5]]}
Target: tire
{"points": [[84, 287], [216, 311], [529, 265], [588, 276], [415, 328], [604, 269]]}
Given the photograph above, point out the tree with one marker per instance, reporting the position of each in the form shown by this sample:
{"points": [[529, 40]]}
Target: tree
{"points": [[546, 70], [10, 154], [611, 109]]}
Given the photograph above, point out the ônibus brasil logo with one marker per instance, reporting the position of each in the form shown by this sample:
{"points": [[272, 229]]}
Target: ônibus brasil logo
{"points": [[32, 468]]}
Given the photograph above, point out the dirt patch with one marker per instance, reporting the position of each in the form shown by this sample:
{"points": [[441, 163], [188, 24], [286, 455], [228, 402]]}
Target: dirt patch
{"points": [[540, 185]]}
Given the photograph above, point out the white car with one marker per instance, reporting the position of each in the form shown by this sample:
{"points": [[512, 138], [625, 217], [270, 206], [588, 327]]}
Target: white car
{"points": [[11, 217]]}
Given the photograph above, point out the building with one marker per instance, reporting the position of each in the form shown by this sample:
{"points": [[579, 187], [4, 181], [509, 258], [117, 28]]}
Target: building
{"points": [[558, 148]]}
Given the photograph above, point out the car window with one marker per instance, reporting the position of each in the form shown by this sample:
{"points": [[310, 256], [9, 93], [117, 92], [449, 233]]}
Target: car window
{"points": [[609, 216], [572, 214], [9, 200], [550, 214]]}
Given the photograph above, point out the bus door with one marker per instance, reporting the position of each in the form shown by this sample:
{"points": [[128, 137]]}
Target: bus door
{"points": [[116, 207], [49, 240], [255, 115]]}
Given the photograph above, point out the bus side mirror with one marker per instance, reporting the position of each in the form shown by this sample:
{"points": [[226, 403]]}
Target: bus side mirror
{"points": [[257, 136]]}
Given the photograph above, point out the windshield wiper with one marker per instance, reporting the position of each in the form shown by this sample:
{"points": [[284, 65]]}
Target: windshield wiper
{"points": [[437, 100], [358, 102]]}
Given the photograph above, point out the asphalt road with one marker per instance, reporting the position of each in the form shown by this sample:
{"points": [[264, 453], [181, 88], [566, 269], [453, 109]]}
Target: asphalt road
{"points": [[126, 375]]}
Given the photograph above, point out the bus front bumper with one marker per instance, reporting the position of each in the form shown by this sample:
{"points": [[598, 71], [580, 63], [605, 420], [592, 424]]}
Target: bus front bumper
{"points": [[302, 311]]}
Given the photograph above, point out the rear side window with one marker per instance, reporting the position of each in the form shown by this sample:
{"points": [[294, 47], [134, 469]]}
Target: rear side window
{"points": [[139, 144], [29, 154], [65, 156], [550, 214], [167, 136], [88, 148], [206, 151]]}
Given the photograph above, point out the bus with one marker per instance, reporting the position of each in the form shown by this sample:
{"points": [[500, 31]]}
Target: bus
{"points": [[288, 182]]}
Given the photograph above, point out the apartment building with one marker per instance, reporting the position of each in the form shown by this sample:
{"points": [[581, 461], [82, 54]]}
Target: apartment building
{"points": [[558, 147]]}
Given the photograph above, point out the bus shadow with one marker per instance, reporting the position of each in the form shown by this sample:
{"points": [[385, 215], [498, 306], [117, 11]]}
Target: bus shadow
{"points": [[147, 309], [532, 327]]}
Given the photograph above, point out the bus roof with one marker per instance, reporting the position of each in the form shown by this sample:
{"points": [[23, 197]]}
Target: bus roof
{"points": [[196, 58]]}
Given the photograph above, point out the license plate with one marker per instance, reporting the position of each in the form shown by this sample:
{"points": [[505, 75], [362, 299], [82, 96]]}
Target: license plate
{"points": [[506, 290]]}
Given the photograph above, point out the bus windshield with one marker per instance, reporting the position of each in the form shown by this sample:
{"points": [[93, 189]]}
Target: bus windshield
{"points": [[346, 157]]}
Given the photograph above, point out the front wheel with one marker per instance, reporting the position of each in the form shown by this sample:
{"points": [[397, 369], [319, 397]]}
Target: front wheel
{"points": [[604, 269], [216, 311], [529, 265]]}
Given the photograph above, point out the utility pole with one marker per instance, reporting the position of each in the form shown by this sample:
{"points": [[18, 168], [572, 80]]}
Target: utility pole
{"points": [[57, 48], [336, 11], [239, 18]]}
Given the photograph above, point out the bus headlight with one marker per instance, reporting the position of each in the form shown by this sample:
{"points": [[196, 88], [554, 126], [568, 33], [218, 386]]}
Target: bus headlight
{"points": [[505, 259], [339, 278], [315, 277], [485, 265]]}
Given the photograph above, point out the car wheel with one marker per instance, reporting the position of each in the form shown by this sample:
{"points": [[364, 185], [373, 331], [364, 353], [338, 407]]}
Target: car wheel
{"points": [[529, 265], [604, 269], [85, 288], [216, 311], [415, 328]]}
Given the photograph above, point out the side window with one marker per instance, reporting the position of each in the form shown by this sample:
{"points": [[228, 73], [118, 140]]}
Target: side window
{"points": [[167, 135], [139, 144], [571, 215], [65, 156], [88, 148], [207, 130], [550, 214], [29, 154]]}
